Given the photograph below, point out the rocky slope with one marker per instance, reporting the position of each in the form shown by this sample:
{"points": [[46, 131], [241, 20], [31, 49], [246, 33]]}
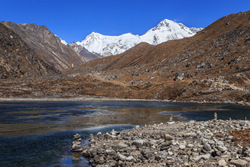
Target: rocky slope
{"points": [[111, 45], [18, 60], [46, 45]]}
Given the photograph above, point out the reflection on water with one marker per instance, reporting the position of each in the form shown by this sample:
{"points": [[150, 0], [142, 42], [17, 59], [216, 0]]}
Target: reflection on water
{"points": [[40, 133], [22, 118]]}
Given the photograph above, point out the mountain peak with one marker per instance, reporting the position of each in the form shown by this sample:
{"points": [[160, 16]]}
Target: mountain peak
{"points": [[95, 33], [107, 45], [167, 21]]}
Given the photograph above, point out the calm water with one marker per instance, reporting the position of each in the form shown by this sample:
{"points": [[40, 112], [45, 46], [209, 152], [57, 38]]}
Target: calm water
{"points": [[40, 133]]}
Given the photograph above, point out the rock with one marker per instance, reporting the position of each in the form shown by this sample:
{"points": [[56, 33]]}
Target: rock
{"points": [[207, 147], [222, 163], [247, 159], [124, 158], [239, 163], [161, 155], [76, 136], [191, 134], [92, 138], [76, 144], [205, 157], [189, 76], [215, 116], [182, 152], [85, 152], [147, 153], [168, 137], [138, 143], [165, 145], [110, 152], [99, 159], [221, 148], [99, 135], [101, 151], [179, 76], [122, 145], [182, 146], [246, 151], [76, 156], [186, 164], [108, 136], [190, 144], [170, 153]]}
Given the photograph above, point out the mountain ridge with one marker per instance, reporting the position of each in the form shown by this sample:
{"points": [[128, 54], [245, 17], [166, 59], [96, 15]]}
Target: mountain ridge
{"points": [[18, 60], [107, 45], [47, 45]]}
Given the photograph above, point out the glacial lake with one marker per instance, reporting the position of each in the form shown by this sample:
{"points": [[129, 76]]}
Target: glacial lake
{"points": [[40, 133]]}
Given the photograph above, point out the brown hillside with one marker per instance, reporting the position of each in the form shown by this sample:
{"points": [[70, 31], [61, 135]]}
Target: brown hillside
{"points": [[17, 60], [46, 45], [216, 59]]}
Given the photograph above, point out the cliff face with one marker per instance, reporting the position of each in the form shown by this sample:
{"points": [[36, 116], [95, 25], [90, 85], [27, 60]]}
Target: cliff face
{"points": [[18, 60], [46, 45]]}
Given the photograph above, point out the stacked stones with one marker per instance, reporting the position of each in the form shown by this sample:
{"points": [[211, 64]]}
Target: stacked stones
{"points": [[205, 143], [77, 145]]}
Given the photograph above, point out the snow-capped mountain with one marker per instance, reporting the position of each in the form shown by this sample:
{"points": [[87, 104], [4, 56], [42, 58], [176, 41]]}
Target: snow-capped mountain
{"points": [[110, 45], [165, 31]]}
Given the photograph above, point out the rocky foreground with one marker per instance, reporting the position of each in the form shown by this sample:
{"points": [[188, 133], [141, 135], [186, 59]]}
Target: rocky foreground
{"points": [[205, 143]]}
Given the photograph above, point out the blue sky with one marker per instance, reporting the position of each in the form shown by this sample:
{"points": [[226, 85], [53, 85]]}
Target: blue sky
{"points": [[73, 20]]}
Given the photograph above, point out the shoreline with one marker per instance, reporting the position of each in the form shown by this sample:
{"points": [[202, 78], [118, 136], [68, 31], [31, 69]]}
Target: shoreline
{"points": [[97, 98], [214, 142]]}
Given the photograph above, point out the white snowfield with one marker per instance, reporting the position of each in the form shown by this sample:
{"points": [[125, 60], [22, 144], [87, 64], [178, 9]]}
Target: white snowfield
{"points": [[111, 45]]}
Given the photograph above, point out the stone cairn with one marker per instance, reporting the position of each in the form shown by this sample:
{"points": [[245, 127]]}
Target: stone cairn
{"points": [[77, 144], [215, 116]]}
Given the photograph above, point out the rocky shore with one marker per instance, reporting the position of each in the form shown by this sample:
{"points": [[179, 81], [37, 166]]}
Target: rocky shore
{"points": [[205, 143]]}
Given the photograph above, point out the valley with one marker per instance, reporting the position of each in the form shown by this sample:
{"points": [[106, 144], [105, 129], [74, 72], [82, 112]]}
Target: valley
{"points": [[211, 66]]}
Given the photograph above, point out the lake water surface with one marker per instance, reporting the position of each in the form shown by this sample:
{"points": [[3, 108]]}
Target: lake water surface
{"points": [[40, 133]]}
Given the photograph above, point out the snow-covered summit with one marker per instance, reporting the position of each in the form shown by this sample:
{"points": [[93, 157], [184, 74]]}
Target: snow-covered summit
{"points": [[166, 30], [110, 45]]}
